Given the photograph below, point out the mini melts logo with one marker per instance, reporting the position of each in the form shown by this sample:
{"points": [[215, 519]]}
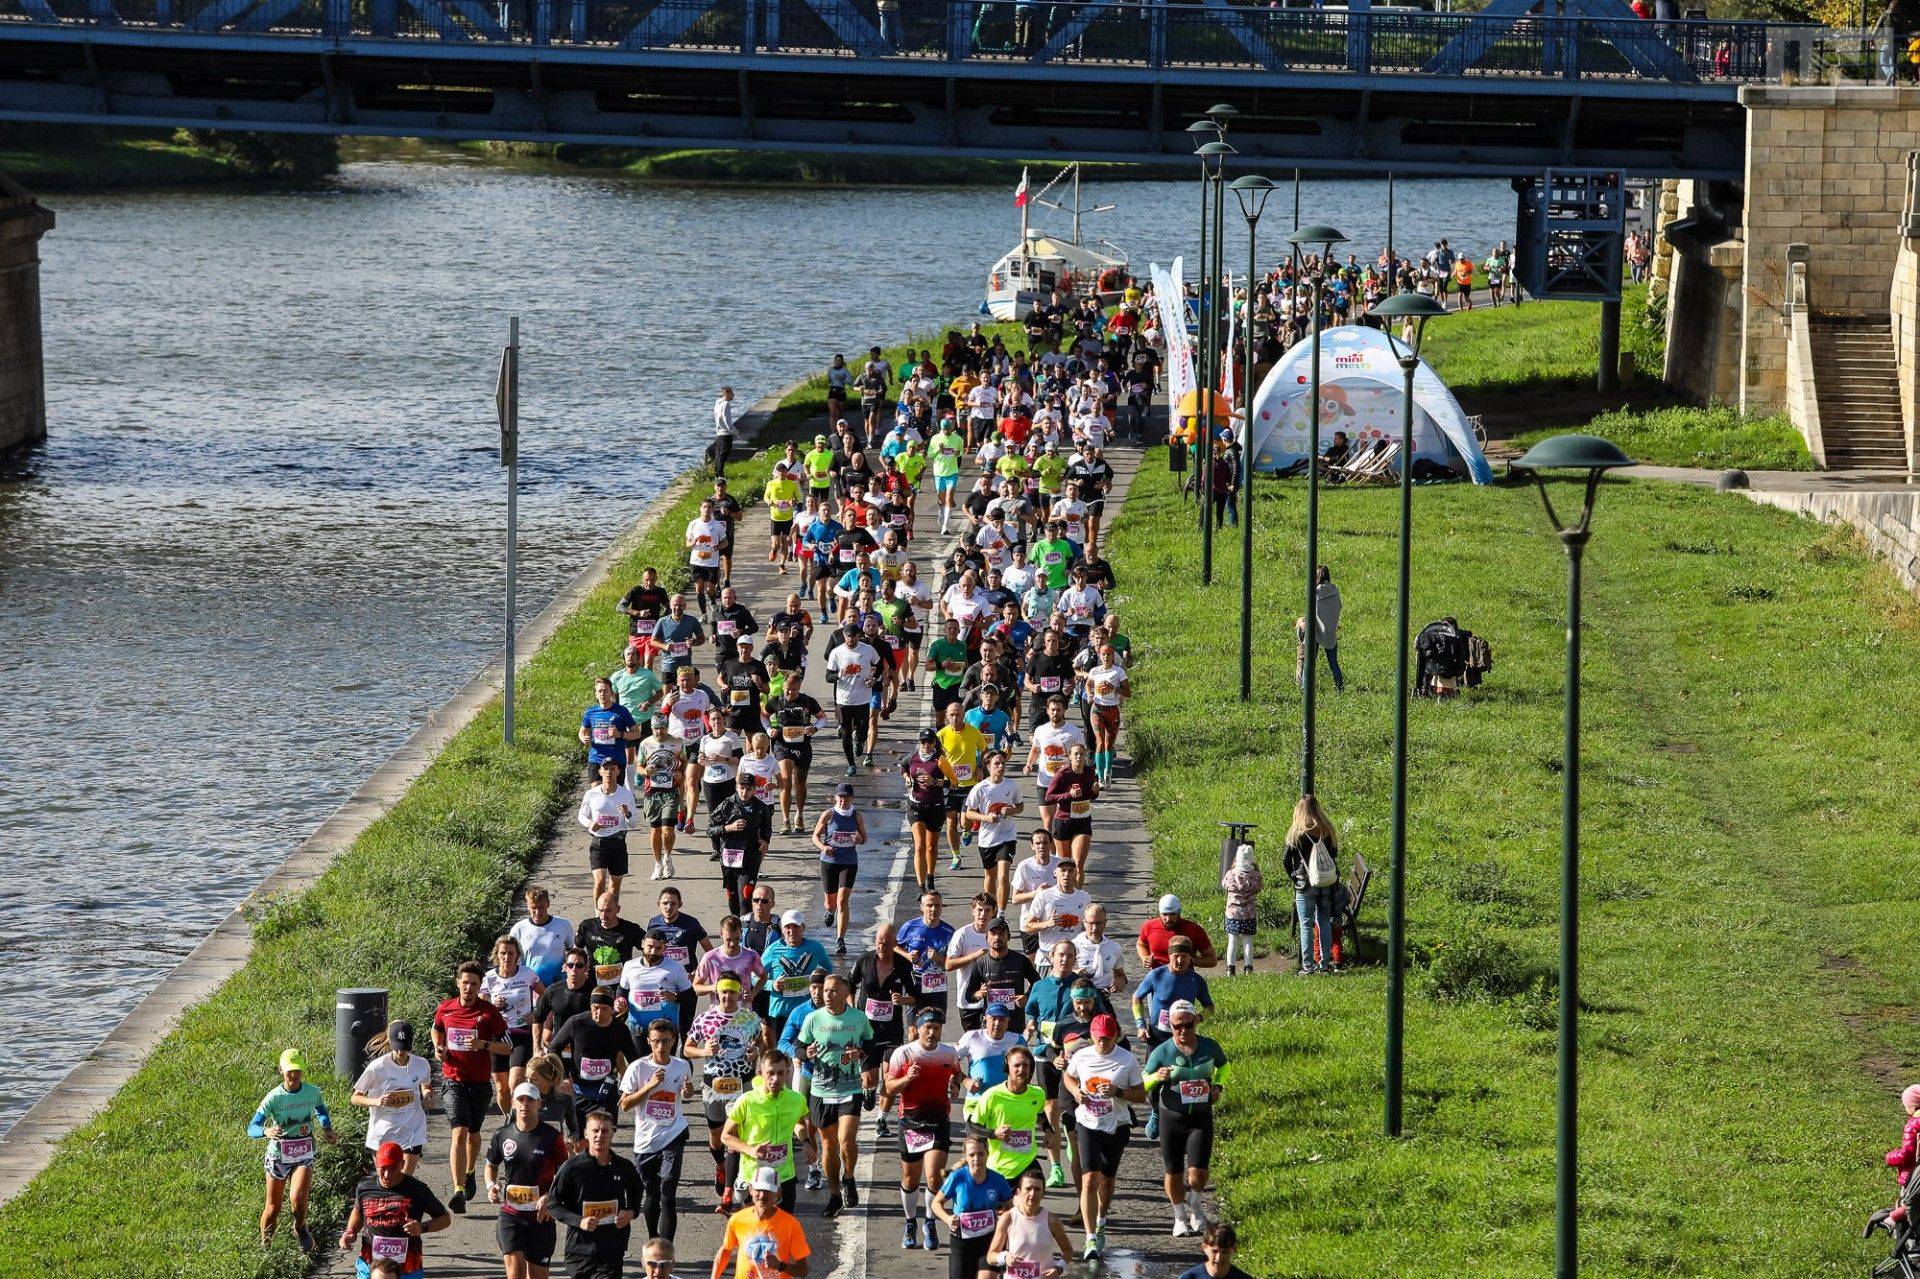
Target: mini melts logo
{"points": [[1352, 360]]}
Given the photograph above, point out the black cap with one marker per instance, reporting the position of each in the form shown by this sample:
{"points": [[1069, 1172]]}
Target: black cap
{"points": [[400, 1035], [928, 735]]}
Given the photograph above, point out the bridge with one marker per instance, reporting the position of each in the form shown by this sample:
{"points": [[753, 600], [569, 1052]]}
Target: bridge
{"points": [[1503, 92]]}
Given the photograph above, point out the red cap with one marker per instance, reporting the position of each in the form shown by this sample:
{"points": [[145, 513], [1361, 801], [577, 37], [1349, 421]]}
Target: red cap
{"points": [[389, 1155], [1106, 1026]]}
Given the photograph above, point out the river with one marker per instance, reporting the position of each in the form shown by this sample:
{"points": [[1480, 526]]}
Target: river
{"points": [[263, 539]]}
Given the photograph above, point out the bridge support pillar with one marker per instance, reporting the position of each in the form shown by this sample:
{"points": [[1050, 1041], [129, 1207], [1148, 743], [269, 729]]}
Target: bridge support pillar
{"points": [[23, 399], [1609, 378]]}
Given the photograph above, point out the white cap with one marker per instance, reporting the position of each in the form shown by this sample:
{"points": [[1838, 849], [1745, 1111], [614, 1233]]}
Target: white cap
{"points": [[1169, 903], [766, 1177], [793, 917], [527, 1090], [1182, 1006]]}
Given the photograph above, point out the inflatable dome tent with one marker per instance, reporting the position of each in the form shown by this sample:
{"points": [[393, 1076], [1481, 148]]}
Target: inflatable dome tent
{"points": [[1360, 388]]}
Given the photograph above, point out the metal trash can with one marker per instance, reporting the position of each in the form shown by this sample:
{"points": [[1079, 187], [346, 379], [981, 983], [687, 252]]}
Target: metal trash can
{"points": [[1230, 845], [359, 1014]]}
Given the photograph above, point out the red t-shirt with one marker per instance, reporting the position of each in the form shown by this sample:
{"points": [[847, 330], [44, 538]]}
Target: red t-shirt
{"points": [[1154, 935], [468, 1025], [1016, 428], [928, 1093]]}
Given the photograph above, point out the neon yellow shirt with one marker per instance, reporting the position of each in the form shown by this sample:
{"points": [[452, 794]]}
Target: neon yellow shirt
{"points": [[819, 464], [781, 497], [963, 747], [1019, 1112], [1051, 469]]}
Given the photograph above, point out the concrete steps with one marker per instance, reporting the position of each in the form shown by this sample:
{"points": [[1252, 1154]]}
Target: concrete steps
{"points": [[1859, 394]]}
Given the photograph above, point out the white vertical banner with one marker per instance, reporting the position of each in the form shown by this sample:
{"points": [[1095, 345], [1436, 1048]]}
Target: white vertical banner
{"points": [[1169, 299], [1233, 344]]}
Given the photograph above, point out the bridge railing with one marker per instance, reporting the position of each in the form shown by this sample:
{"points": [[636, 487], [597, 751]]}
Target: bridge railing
{"points": [[1212, 34]]}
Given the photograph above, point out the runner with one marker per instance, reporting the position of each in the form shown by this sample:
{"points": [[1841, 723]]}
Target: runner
{"points": [[595, 1195], [1057, 913], [946, 663], [916, 605], [943, 453], [598, 1049], [767, 1238], [544, 940], [833, 1040], [1049, 672], [923, 944], [1097, 954], [789, 961], [726, 509], [675, 636], [717, 760], [608, 811], [795, 717], [658, 760], [609, 940], [1053, 741], [730, 958], [521, 1162], [967, 944], [926, 776], [983, 1052], [467, 1031], [1049, 1002], [1184, 1076], [393, 1088], [1002, 975], [705, 536], [1009, 1112], [643, 606], [653, 984], [1030, 875], [1101, 1078], [763, 1128], [1158, 933], [725, 1040], [689, 706], [1105, 687], [739, 826], [559, 1002], [1070, 795], [637, 684], [1163, 987], [992, 810], [971, 1201], [1029, 1242], [924, 1075], [962, 745], [819, 542], [744, 682], [286, 1117], [883, 989], [838, 835], [394, 1209], [853, 667], [782, 496], [606, 728], [686, 939], [511, 987], [655, 1085]]}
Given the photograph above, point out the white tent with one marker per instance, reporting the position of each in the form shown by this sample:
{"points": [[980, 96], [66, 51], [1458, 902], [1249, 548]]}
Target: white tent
{"points": [[1361, 389]]}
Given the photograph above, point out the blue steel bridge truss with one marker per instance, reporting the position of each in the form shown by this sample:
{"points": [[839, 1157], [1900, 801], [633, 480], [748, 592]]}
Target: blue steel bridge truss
{"points": [[1506, 91]]}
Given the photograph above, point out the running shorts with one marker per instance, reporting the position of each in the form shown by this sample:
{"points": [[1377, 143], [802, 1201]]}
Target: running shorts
{"points": [[834, 877], [1186, 1140], [933, 816], [519, 1232], [1097, 1151], [827, 1113], [662, 808], [608, 853], [939, 1130], [469, 1104], [991, 854], [519, 1055]]}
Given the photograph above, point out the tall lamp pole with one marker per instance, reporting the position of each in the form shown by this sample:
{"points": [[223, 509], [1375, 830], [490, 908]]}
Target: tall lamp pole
{"points": [[1252, 192], [1204, 131], [1419, 309], [1595, 457], [1213, 158], [1322, 238], [507, 402]]}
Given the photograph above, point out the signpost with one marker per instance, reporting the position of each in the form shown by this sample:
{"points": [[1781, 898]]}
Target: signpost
{"points": [[506, 401]]}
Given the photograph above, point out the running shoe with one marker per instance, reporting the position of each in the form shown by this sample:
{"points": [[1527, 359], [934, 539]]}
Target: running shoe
{"points": [[815, 1178], [829, 919], [850, 770], [867, 759], [668, 874], [305, 1236], [953, 861], [1057, 1177], [1090, 1252], [1153, 1123], [458, 1204], [850, 1191], [833, 1207], [840, 947], [883, 1129], [929, 1237], [908, 1237], [470, 1187]]}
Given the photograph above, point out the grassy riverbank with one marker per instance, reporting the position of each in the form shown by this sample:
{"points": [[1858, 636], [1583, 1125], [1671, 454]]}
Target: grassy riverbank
{"points": [[54, 158], [1745, 932]]}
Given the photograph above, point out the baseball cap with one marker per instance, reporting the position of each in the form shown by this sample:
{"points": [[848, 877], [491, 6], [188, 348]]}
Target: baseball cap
{"points": [[1182, 1008], [1105, 1025], [400, 1034], [293, 1059], [527, 1090], [928, 735], [798, 917], [660, 721], [744, 641], [999, 1010], [767, 1179], [844, 788], [390, 1155], [999, 924], [1169, 903]]}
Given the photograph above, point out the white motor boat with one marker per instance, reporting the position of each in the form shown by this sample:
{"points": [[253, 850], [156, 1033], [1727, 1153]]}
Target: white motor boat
{"points": [[1042, 263]]}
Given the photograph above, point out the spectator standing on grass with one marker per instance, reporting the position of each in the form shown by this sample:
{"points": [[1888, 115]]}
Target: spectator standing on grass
{"points": [[1326, 617], [1312, 850], [1242, 884]]}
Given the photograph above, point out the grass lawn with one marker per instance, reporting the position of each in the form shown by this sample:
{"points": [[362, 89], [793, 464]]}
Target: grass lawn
{"points": [[1687, 435], [1747, 926], [75, 158], [1537, 346]]}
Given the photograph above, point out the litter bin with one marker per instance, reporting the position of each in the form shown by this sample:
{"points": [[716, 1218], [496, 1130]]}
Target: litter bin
{"points": [[359, 1014], [1236, 836]]}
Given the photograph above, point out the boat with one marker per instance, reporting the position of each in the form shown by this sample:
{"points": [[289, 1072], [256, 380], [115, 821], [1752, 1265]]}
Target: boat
{"points": [[1042, 262]]}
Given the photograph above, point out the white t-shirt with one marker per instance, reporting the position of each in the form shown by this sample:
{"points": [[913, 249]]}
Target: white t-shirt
{"points": [[705, 538], [980, 400], [684, 723], [1105, 682], [916, 596], [1080, 605], [1102, 1076], [407, 1124], [852, 668], [651, 987], [602, 814], [544, 946], [1097, 959], [978, 1045], [658, 1119], [1073, 515], [1054, 744], [717, 752], [765, 773], [513, 996], [962, 606], [993, 543], [988, 796], [965, 941], [1070, 909], [1029, 876]]}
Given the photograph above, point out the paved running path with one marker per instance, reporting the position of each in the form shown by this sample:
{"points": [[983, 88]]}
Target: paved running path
{"points": [[865, 1240]]}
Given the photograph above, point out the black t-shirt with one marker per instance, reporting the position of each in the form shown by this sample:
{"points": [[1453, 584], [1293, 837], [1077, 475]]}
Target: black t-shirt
{"points": [[608, 947], [787, 654], [727, 511], [1099, 573], [854, 473], [978, 500], [744, 678], [897, 988], [526, 1160], [650, 602], [560, 1002], [385, 1210], [685, 931], [799, 623], [582, 1040], [743, 624], [848, 545], [793, 710], [583, 1180], [1012, 970]]}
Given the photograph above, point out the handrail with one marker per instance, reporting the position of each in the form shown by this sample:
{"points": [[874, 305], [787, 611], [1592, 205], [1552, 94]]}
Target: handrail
{"points": [[1104, 33]]}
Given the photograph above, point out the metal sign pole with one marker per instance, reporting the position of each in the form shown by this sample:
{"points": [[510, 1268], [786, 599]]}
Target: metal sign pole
{"points": [[507, 402]]}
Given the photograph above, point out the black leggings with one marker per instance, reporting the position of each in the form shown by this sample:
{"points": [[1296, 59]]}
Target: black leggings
{"points": [[967, 1257], [660, 1186], [853, 729], [739, 880]]}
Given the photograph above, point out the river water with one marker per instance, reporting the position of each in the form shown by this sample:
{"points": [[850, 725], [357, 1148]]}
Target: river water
{"points": [[263, 539]]}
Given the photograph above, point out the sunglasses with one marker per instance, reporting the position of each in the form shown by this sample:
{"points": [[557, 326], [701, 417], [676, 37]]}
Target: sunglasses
{"points": [[574, 963]]}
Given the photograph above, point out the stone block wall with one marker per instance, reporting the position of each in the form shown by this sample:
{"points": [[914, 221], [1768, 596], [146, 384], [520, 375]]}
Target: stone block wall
{"points": [[23, 401], [1826, 166]]}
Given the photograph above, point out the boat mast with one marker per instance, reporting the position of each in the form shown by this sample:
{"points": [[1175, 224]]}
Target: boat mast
{"points": [[1025, 206], [1076, 204]]}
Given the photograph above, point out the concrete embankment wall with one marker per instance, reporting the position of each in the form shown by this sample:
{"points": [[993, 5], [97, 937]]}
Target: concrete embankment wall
{"points": [[1888, 520], [23, 400]]}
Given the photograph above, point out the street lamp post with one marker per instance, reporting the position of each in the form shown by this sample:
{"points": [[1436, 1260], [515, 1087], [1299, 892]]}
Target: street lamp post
{"points": [[1418, 308], [1217, 152], [1324, 237], [1595, 457], [1252, 192], [1206, 129]]}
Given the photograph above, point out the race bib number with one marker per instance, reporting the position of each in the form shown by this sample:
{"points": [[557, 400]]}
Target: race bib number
{"points": [[1066, 921], [1096, 1107], [598, 1208], [734, 857], [794, 733], [934, 982], [724, 1086], [660, 1107], [1000, 994], [461, 1039], [772, 1152], [648, 1000], [390, 1247], [605, 821], [522, 1196], [954, 668], [1196, 1092], [739, 696], [1022, 1269], [296, 1150], [783, 508], [916, 1140], [791, 985], [1049, 684], [1080, 807], [594, 1069], [677, 953], [726, 626], [1019, 1141], [606, 972], [974, 1224], [964, 772], [846, 555], [680, 648], [1161, 1024], [879, 1010], [844, 838], [603, 734]]}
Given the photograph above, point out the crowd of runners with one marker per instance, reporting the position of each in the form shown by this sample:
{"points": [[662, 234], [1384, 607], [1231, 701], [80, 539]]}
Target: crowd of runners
{"points": [[997, 1048]]}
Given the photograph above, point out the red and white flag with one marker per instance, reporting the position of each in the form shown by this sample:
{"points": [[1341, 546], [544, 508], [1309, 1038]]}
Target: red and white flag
{"points": [[1020, 195]]}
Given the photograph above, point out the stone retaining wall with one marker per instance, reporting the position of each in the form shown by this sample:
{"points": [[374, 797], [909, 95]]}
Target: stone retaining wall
{"points": [[23, 400]]}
